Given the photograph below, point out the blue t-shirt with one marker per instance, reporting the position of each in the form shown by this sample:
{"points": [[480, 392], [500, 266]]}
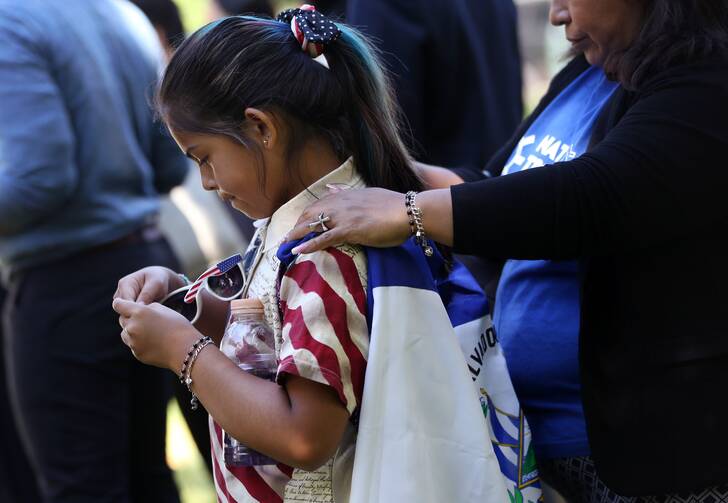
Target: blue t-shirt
{"points": [[537, 309]]}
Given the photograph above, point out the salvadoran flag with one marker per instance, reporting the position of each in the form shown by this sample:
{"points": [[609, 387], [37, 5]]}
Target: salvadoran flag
{"points": [[439, 419]]}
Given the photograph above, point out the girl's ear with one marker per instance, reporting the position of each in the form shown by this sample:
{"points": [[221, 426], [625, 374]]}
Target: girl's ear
{"points": [[262, 127]]}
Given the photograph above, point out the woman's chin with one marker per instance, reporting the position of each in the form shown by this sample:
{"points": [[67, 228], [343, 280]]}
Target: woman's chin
{"points": [[594, 56]]}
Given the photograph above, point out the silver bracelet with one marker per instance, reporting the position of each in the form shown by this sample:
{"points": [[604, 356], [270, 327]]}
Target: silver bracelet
{"points": [[417, 229], [186, 372]]}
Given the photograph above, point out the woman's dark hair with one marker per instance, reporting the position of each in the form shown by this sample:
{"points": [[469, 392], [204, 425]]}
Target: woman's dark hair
{"points": [[673, 32], [242, 62]]}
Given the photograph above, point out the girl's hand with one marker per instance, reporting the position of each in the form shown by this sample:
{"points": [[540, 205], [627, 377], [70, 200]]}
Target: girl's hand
{"points": [[148, 285], [155, 334], [372, 217]]}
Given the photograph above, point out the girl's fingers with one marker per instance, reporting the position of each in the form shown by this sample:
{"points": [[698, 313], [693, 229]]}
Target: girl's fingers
{"points": [[148, 293], [127, 289], [126, 308], [125, 338]]}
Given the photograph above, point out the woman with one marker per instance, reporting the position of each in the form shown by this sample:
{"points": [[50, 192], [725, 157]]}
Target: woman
{"points": [[622, 223]]}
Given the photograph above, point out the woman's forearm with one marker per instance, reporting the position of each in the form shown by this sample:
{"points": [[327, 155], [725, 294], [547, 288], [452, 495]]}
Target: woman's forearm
{"points": [[436, 206], [300, 425]]}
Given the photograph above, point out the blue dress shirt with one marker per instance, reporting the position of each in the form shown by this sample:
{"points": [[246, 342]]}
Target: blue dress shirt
{"points": [[81, 160]]}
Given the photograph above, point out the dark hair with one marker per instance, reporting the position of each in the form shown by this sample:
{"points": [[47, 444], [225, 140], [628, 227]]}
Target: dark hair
{"points": [[237, 7], [673, 32], [242, 62], [164, 13]]}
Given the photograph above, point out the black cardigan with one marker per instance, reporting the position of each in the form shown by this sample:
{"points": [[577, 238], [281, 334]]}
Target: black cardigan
{"points": [[645, 212]]}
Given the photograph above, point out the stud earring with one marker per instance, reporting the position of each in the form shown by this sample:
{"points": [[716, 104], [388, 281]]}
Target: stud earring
{"points": [[265, 142]]}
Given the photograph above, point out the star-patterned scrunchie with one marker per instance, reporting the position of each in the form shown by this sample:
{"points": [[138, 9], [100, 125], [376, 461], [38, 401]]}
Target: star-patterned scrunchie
{"points": [[312, 30]]}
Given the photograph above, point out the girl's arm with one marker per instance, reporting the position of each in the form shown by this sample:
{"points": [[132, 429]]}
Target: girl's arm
{"points": [[322, 367], [300, 423]]}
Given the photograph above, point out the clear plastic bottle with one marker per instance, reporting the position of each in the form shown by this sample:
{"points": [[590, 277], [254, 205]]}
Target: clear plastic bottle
{"points": [[250, 343]]}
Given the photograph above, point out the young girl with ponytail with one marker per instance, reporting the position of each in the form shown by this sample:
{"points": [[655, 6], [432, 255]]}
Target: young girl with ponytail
{"points": [[275, 112]]}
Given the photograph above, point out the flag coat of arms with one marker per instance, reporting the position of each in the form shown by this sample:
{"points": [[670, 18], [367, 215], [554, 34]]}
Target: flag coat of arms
{"points": [[439, 419]]}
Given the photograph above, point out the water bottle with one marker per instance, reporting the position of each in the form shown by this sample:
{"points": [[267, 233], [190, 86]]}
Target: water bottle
{"points": [[250, 343]]}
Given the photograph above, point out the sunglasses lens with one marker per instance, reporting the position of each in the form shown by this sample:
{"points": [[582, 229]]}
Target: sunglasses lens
{"points": [[227, 285], [177, 303]]}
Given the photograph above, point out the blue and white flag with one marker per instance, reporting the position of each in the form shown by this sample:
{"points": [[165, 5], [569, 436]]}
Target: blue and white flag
{"points": [[439, 419]]}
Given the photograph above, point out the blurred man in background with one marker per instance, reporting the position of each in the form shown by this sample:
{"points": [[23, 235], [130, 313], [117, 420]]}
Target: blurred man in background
{"points": [[166, 20], [81, 167], [223, 8], [17, 479], [457, 75], [457, 72]]}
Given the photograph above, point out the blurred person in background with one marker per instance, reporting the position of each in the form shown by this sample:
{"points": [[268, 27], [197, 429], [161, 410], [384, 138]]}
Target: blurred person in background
{"points": [[224, 8], [457, 73], [166, 20], [334, 9], [17, 479], [82, 165]]}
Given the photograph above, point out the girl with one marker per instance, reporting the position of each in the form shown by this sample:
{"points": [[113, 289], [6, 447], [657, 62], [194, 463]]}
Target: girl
{"points": [[274, 112]]}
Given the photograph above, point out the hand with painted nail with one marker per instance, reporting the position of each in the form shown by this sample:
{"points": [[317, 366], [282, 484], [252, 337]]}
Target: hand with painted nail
{"points": [[372, 217]]}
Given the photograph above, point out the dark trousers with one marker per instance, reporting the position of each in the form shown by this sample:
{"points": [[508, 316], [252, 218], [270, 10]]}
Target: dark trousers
{"points": [[17, 479], [93, 419]]}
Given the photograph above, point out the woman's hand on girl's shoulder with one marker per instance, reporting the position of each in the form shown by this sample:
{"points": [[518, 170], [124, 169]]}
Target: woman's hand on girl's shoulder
{"points": [[372, 217]]}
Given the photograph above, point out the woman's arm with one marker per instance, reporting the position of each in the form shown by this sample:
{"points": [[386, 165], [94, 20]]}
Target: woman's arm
{"points": [[373, 217], [658, 175]]}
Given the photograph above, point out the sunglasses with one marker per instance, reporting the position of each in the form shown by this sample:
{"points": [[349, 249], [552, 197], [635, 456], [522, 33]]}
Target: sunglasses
{"points": [[225, 280]]}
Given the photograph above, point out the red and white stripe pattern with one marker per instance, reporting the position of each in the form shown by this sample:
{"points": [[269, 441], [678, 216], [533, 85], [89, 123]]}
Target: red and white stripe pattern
{"points": [[216, 270], [314, 49], [325, 335], [325, 339], [245, 484]]}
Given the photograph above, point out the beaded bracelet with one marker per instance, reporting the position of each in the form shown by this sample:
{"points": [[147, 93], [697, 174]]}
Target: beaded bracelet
{"points": [[186, 372], [417, 229]]}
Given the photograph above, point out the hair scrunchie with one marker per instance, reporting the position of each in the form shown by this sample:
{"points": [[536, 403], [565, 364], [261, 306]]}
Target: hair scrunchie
{"points": [[312, 30]]}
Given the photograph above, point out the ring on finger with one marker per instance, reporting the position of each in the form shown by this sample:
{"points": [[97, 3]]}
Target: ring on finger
{"points": [[321, 220]]}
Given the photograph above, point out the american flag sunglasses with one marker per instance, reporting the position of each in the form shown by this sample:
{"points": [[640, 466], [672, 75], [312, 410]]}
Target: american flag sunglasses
{"points": [[225, 280]]}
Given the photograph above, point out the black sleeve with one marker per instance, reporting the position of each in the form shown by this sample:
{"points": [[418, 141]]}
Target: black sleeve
{"points": [[658, 175]]}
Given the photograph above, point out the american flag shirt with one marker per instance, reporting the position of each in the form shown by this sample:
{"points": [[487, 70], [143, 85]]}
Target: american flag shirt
{"points": [[319, 318]]}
